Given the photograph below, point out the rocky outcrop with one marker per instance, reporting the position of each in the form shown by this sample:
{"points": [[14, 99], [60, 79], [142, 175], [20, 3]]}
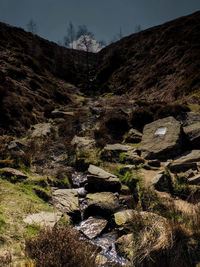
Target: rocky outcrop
{"points": [[186, 161], [92, 227], [101, 204], [161, 139], [66, 200], [99, 180]]}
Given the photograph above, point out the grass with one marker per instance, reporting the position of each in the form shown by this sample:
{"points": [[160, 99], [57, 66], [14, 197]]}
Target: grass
{"points": [[16, 202]]}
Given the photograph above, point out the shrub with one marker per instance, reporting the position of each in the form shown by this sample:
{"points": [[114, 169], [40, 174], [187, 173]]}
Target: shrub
{"points": [[112, 128], [60, 247], [140, 117]]}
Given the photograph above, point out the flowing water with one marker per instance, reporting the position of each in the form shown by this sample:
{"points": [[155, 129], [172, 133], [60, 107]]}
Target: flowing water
{"points": [[105, 241]]}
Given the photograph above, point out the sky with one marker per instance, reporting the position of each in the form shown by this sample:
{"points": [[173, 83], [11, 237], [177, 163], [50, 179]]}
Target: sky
{"points": [[103, 17]]}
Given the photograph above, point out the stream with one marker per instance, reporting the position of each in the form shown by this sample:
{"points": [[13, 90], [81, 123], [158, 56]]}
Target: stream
{"points": [[106, 240]]}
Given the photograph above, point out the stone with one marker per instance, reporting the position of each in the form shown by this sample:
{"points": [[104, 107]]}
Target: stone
{"points": [[94, 170], [80, 142], [125, 190], [93, 227], [41, 130], [12, 175], [100, 260], [61, 114], [47, 219], [194, 180], [133, 136], [125, 246], [17, 146], [161, 139], [118, 147], [66, 201], [154, 163], [188, 118], [192, 133], [99, 180], [162, 182], [123, 217], [101, 204], [116, 152], [186, 161]]}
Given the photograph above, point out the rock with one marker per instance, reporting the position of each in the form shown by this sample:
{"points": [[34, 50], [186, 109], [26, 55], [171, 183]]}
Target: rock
{"points": [[162, 182], [94, 170], [123, 217], [61, 114], [189, 118], [41, 130], [66, 200], [80, 142], [118, 147], [133, 136], [188, 174], [116, 152], [17, 146], [125, 246], [161, 139], [127, 201], [101, 260], [12, 175], [154, 163], [125, 190], [93, 227], [99, 180], [192, 133], [47, 219], [101, 204], [186, 161], [194, 180]]}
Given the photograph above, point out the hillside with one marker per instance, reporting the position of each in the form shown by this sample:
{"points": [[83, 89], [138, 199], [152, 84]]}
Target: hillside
{"points": [[35, 75], [160, 63]]}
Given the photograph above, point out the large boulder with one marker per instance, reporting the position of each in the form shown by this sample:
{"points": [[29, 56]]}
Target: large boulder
{"points": [[93, 227], [186, 161], [161, 139], [99, 180], [101, 204], [66, 200]]}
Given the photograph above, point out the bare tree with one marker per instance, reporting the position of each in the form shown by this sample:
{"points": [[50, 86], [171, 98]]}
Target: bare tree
{"points": [[32, 26], [71, 35], [83, 30]]}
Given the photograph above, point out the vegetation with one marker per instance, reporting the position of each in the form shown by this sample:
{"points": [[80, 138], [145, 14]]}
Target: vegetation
{"points": [[60, 247]]}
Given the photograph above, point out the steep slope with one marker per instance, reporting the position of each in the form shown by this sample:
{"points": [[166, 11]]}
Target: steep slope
{"points": [[35, 75], [160, 63]]}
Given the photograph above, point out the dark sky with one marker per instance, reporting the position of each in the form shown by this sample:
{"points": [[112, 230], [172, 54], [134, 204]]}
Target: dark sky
{"points": [[103, 17]]}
